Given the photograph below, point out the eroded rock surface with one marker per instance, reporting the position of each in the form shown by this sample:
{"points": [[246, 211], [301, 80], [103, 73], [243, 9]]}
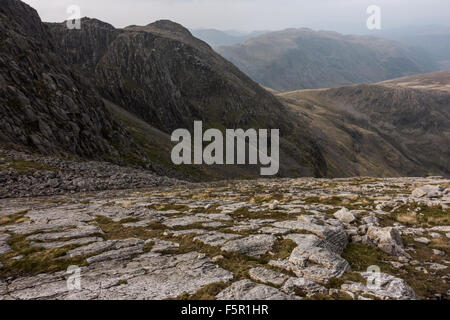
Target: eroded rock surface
{"points": [[230, 241]]}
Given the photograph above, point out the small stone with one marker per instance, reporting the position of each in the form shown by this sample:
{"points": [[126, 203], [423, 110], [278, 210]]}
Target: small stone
{"points": [[414, 262], [438, 252], [217, 258], [397, 265], [422, 240], [344, 215], [274, 205], [435, 235], [437, 266]]}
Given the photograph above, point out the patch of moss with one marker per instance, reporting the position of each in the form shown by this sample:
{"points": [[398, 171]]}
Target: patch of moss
{"points": [[169, 206], [34, 259], [422, 215], [245, 214], [361, 256], [116, 231]]}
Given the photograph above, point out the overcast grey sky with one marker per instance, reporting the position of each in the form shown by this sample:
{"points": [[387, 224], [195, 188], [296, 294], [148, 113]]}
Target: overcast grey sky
{"points": [[340, 15]]}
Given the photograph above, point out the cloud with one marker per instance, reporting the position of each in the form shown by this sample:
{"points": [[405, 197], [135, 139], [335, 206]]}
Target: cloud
{"points": [[340, 15]]}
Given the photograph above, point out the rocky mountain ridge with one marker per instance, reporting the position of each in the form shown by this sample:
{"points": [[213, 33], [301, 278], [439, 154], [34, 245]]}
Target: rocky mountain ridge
{"points": [[46, 106]]}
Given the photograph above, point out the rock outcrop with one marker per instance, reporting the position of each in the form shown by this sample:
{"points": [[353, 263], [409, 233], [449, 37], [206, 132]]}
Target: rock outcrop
{"points": [[46, 106]]}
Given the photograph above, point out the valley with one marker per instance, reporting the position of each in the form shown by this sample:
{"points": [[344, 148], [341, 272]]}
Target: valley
{"points": [[94, 205]]}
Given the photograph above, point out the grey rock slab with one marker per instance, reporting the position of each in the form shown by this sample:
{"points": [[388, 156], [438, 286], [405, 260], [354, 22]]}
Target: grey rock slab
{"points": [[184, 221], [215, 216], [168, 276], [121, 250], [139, 224], [422, 240], [274, 231], [441, 229], [437, 266], [162, 245], [105, 249], [429, 191], [4, 247], [213, 224], [253, 246], [248, 290], [185, 232], [79, 232], [60, 244], [97, 247], [335, 235], [266, 276], [215, 238], [148, 276]]}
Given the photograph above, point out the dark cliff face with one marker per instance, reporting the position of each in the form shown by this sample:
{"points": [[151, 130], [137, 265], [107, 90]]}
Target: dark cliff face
{"points": [[45, 105], [83, 48], [163, 74]]}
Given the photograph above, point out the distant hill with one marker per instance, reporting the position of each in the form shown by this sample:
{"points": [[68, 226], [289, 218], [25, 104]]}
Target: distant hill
{"points": [[304, 59], [434, 39], [397, 127], [216, 37]]}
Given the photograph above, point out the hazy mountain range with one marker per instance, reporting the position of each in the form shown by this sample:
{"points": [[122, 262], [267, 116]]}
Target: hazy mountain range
{"points": [[433, 39], [216, 37], [117, 95], [295, 59]]}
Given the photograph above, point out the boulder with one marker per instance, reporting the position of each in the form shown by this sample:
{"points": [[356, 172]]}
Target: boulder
{"points": [[387, 239], [429, 191], [344, 215]]}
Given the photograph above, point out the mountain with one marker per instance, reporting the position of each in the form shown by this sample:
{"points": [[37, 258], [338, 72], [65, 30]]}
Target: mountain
{"points": [[117, 95], [434, 39], [46, 106], [392, 128], [216, 37], [168, 78], [295, 59]]}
